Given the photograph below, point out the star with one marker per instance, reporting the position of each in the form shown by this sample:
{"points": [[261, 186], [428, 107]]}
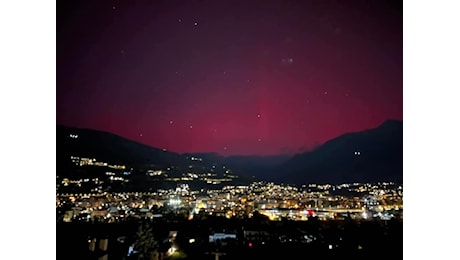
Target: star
{"points": [[170, 122], [191, 126], [113, 7], [325, 92], [180, 20], [258, 115], [140, 135], [287, 60], [225, 147], [260, 140], [196, 24]]}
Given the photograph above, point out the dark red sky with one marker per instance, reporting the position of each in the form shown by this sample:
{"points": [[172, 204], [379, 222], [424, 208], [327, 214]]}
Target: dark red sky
{"points": [[233, 77]]}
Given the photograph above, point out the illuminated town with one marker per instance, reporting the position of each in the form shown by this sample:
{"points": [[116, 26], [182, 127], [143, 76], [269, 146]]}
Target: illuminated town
{"points": [[201, 209], [327, 202]]}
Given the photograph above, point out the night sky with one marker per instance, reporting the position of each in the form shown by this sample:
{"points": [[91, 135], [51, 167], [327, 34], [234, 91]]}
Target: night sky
{"points": [[232, 77]]}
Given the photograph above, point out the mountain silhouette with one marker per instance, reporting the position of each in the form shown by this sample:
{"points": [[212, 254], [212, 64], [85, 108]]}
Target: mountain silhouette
{"points": [[116, 150], [110, 148], [366, 156], [257, 166]]}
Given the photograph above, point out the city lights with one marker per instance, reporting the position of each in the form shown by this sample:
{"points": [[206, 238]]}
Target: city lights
{"points": [[272, 200]]}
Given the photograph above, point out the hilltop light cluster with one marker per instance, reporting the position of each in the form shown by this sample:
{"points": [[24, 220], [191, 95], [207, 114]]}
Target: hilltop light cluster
{"points": [[327, 202]]}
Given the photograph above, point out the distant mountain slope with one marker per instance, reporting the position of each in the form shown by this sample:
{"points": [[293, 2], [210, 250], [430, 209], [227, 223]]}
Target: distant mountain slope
{"points": [[109, 148], [259, 166], [114, 149], [371, 155]]}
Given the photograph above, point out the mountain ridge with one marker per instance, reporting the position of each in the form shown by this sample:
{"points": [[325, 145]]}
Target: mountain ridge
{"points": [[369, 155], [337, 160]]}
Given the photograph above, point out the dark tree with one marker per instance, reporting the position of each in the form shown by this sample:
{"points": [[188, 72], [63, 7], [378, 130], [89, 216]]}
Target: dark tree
{"points": [[145, 242]]}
